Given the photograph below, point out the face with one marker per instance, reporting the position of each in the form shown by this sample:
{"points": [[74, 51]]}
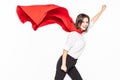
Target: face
{"points": [[84, 24]]}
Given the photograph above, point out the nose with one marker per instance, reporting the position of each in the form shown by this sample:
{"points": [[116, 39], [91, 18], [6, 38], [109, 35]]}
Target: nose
{"points": [[85, 24]]}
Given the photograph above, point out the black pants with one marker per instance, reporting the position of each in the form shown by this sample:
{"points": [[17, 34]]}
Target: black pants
{"points": [[71, 69]]}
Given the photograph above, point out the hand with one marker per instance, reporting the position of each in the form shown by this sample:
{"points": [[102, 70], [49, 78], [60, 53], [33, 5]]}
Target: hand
{"points": [[64, 68], [103, 7]]}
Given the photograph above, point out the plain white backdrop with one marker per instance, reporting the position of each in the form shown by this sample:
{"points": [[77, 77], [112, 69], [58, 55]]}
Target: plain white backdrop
{"points": [[26, 54]]}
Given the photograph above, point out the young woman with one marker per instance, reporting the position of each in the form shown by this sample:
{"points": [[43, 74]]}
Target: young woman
{"points": [[41, 15], [74, 46]]}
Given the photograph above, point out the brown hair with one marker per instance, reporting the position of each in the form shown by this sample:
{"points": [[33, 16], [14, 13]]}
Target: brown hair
{"points": [[79, 20]]}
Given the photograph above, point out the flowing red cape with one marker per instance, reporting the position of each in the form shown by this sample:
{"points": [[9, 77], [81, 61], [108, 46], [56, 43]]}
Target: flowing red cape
{"points": [[41, 15]]}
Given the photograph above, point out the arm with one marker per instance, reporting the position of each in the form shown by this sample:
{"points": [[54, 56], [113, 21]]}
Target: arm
{"points": [[95, 18], [71, 39], [64, 57]]}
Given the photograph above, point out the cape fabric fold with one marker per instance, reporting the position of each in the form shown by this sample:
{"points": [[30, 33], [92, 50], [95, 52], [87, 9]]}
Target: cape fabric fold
{"points": [[41, 15]]}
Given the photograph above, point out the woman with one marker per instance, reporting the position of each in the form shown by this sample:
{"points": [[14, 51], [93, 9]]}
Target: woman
{"points": [[74, 46], [41, 15]]}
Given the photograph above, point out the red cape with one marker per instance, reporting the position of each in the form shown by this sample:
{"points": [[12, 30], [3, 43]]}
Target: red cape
{"points": [[41, 15]]}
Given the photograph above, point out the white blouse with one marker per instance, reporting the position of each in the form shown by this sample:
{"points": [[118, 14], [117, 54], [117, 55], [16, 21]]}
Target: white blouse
{"points": [[75, 43]]}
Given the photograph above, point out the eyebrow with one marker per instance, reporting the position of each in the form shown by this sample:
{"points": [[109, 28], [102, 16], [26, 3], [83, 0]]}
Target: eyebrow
{"points": [[85, 21]]}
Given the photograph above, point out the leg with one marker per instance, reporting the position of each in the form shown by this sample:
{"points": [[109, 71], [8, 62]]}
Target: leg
{"points": [[59, 73], [74, 74]]}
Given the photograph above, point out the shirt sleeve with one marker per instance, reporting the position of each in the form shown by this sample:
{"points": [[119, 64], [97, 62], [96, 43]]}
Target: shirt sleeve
{"points": [[91, 25], [70, 41]]}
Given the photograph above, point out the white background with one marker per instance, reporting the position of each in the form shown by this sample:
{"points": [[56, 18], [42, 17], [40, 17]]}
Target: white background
{"points": [[26, 54]]}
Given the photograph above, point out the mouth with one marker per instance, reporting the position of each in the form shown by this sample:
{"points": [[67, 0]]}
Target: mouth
{"points": [[83, 28]]}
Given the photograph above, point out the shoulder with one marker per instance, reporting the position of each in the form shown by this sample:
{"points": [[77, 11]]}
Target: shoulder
{"points": [[91, 25], [74, 34]]}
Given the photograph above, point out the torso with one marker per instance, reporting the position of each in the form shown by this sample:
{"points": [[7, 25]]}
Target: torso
{"points": [[78, 46]]}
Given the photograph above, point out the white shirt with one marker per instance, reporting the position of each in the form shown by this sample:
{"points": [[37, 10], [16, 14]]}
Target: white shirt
{"points": [[75, 43]]}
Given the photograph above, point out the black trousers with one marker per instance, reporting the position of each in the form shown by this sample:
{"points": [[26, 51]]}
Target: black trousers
{"points": [[71, 69]]}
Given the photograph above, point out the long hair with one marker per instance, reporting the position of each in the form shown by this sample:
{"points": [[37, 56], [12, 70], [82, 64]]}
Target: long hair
{"points": [[80, 18]]}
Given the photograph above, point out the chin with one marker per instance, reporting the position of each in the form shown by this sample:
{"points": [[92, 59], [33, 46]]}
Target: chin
{"points": [[84, 30]]}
